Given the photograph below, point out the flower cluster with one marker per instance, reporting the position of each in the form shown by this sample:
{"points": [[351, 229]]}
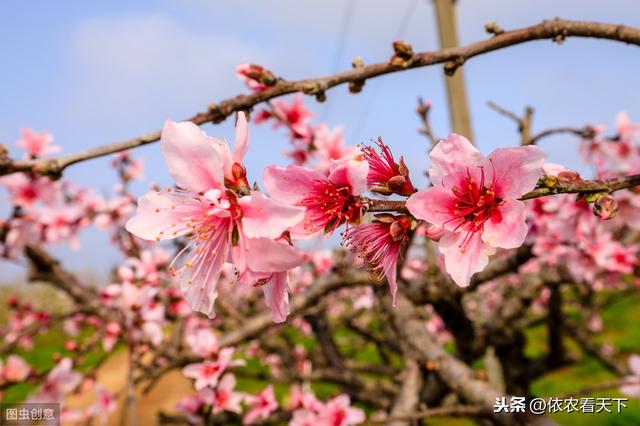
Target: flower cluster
{"points": [[216, 243]]}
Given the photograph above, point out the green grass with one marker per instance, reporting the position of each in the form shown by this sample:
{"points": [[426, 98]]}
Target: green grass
{"points": [[620, 324]]}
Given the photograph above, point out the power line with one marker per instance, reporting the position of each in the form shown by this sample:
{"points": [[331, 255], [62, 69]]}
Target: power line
{"points": [[342, 38], [402, 28]]}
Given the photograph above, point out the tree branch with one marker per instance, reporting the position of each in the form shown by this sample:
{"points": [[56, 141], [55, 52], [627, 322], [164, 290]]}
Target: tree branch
{"points": [[551, 188], [454, 373], [452, 58]]}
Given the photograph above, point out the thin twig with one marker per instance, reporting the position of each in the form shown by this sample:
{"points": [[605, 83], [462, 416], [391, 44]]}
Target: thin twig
{"points": [[423, 112], [587, 132], [452, 58], [524, 122], [554, 188]]}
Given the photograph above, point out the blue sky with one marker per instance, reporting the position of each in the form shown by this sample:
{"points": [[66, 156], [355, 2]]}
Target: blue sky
{"points": [[97, 72]]}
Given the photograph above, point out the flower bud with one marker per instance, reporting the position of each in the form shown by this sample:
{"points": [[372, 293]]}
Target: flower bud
{"points": [[605, 207], [396, 184], [432, 232], [259, 74], [356, 86], [399, 228], [4, 153], [398, 62], [239, 182], [403, 49], [493, 28], [569, 175]]}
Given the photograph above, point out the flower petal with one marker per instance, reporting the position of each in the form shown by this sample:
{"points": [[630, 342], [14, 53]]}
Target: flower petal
{"points": [[159, 218], [507, 227], [451, 157], [242, 139], [193, 161], [434, 205], [462, 264], [634, 364], [277, 297], [265, 255], [291, 184], [390, 268], [515, 170], [264, 217], [353, 173], [199, 280]]}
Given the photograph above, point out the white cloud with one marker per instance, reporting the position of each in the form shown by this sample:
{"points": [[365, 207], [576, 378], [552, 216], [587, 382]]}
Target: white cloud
{"points": [[140, 68]]}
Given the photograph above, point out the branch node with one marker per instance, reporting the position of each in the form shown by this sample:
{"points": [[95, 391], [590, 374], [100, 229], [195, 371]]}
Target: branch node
{"points": [[451, 66], [356, 85], [357, 62], [215, 113], [403, 53], [493, 28], [403, 49], [321, 96], [5, 161], [52, 169], [313, 88], [559, 39], [549, 182]]}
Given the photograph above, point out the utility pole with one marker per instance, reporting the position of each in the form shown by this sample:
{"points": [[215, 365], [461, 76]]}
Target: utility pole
{"points": [[456, 90]]}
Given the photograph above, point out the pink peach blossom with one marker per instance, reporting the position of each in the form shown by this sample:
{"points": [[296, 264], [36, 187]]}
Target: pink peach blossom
{"points": [[328, 201], [304, 418], [380, 244], [385, 175], [476, 201], [193, 405], [60, 380], [329, 145], [104, 404], [15, 369], [338, 412], [294, 115], [633, 390], [625, 127], [303, 397], [224, 396], [323, 261], [37, 144], [25, 191], [217, 212], [202, 342], [260, 406], [206, 374]]}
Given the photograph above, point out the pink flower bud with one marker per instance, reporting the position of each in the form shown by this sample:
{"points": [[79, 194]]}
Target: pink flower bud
{"points": [[605, 207], [432, 232], [256, 76], [569, 175]]}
